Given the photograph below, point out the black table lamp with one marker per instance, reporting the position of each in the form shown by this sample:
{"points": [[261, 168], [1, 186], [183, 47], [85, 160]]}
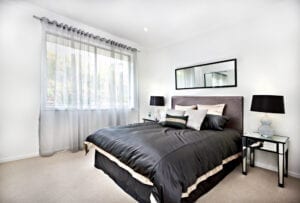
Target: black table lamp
{"points": [[156, 101], [267, 104]]}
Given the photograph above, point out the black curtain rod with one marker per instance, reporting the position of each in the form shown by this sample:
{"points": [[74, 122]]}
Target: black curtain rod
{"points": [[87, 34]]}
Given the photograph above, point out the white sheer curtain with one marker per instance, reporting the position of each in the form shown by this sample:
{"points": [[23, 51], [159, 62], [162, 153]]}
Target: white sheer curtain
{"points": [[85, 85]]}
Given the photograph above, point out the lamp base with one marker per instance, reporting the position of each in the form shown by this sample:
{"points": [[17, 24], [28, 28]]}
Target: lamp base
{"points": [[157, 114], [265, 129]]}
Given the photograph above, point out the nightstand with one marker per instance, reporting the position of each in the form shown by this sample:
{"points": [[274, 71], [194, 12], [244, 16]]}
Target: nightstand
{"points": [[149, 120], [275, 144]]}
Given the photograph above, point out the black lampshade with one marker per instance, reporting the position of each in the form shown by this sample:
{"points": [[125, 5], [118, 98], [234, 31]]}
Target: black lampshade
{"points": [[157, 101], [267, 103]]}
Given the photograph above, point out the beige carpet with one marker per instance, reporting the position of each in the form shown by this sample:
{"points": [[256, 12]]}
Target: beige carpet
{"points": [[71, 177]]}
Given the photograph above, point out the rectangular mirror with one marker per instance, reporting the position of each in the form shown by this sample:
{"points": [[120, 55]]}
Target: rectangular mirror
{"points": [[209, 75]]}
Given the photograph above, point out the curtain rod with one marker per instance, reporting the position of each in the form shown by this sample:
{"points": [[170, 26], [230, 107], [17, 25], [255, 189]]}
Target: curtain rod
{"points": [[82, 32]]}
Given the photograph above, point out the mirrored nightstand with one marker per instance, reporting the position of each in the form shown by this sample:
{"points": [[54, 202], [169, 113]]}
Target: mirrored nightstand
{"points": [[275, 144]]}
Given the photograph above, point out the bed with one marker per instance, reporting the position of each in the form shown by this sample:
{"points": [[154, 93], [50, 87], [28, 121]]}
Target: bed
{"points": [[160, 164]]}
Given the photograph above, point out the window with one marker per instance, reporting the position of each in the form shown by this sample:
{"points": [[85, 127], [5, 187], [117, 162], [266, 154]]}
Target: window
{"points": [[84, 76]]}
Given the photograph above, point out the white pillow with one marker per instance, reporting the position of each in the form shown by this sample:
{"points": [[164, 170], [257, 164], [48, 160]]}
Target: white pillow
{"points": [[185, 108], [212, 109], [171, 112], [195, 118], [176, 112]]}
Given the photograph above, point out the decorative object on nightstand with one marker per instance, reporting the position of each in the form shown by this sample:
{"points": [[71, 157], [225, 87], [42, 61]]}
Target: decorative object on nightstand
{"points": [[267, 104], [275, 144], [157, 101]]}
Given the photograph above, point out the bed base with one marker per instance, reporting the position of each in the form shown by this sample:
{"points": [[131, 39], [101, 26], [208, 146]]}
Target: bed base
{"points": [[141, 192]]}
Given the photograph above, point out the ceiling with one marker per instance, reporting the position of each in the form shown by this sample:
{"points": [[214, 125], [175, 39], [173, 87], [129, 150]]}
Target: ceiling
{"points": [[167, 21]]}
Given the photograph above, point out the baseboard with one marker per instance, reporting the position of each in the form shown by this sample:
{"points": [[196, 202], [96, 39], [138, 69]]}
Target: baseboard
{"points": [[273, 168], [18, 157]]}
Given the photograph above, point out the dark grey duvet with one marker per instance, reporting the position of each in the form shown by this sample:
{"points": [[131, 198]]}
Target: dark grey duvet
{"points": [[172, 159]]}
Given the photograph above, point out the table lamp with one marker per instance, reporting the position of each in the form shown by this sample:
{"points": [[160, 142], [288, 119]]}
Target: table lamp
{"points": [[267, 104], [157, 101]]}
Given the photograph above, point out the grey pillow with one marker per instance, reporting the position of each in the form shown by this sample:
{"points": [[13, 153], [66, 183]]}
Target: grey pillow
{"points": [[214, 122]]}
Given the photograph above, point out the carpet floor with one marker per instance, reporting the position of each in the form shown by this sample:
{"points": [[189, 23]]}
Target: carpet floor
{"points": [[71, 177]]}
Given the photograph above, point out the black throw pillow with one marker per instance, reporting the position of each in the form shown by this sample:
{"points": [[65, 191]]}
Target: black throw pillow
{"points": [[214, 122]]}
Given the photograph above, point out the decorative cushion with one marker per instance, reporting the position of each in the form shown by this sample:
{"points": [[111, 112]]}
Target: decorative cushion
{"points": [[212, 109], [195, 118], [214, 122], [175, 121], [185, 108], [171, 112]]}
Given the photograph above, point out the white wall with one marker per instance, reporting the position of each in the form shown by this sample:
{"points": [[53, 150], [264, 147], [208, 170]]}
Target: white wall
{"points": [[20, 51], [267, 48]]}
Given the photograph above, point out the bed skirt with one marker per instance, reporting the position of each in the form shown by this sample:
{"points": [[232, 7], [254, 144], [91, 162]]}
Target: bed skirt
{"points": [[141, 192]]}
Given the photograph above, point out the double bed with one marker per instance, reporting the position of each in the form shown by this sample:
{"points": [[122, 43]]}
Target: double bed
{"points": [[153, 163]]}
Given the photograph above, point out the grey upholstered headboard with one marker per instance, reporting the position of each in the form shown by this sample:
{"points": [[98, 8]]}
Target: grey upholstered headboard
{"points": [[234, 107]]}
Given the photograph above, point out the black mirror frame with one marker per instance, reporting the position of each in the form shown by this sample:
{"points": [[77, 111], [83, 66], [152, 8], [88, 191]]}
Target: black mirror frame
{"points": [[205, 64]]}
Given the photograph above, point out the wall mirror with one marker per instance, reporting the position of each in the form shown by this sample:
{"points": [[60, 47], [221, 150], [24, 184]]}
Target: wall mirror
{"points": [[209, 75]]}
